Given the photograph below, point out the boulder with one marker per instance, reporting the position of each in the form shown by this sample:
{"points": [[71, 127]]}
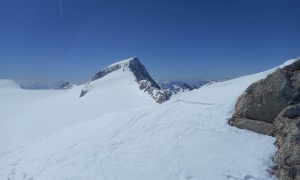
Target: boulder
{"points": [[263, 100], [272, 107], [253, 125]]}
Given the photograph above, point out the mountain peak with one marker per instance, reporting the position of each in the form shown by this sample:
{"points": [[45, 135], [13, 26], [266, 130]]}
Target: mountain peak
{"points": [[125, 62], [140, 74], [133, 65], [124, 65]]}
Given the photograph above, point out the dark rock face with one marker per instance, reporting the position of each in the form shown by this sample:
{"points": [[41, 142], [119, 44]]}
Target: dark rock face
{"points": [[66, 85], [147, 84], [105, 72], [187, 86], [158, 95], [272, 107], [83, 92], [141, 73]]}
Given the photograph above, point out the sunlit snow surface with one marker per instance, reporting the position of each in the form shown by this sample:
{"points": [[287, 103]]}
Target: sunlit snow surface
{"points": [[27, 114], [187, 138]]}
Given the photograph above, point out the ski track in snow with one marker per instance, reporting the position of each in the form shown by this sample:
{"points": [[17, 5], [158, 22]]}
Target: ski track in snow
{"points": [[186, 138]]}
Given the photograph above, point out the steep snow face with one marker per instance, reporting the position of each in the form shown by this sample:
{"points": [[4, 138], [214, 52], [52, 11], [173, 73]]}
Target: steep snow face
{"points": [[185, 138], [27, 114]]}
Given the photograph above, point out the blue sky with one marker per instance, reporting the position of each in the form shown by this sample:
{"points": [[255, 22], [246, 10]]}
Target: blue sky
{"points": [[174, 39]]}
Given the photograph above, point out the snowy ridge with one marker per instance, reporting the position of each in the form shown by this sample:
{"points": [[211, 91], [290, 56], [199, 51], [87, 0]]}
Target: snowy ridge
{"points": [[185, 138], [123, 62]]}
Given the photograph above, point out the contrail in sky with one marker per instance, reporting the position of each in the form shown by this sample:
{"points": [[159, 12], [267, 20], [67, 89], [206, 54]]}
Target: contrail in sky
{"points": [[61, 8]]}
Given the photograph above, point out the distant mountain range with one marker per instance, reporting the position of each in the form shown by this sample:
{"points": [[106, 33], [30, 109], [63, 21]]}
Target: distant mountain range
{"points": [[42, 85]]}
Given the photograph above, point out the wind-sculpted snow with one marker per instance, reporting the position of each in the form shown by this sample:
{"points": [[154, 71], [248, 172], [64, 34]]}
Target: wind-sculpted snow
{"points": [[186, 138]]}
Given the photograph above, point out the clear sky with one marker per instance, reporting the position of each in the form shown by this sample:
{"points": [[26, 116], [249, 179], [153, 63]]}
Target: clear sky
{"points": [[174, 39]]}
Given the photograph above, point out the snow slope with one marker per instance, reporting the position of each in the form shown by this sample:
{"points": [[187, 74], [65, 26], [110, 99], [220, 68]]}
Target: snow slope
{"points": [[27, 114], [186, 138]]}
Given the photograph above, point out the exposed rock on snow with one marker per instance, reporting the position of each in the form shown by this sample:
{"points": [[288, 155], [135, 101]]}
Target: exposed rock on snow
{"points": [[140, 74], [272, 107], [172, 88], [66, 85]]}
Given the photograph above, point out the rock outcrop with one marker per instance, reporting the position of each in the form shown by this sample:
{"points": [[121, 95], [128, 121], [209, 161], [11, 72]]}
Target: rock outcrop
{"points": [[172, 88], [287, 158], [272, 107], [66, 85]]}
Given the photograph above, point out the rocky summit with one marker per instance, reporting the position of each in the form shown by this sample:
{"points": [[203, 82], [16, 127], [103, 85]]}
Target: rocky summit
{"points": [[272, 107]]}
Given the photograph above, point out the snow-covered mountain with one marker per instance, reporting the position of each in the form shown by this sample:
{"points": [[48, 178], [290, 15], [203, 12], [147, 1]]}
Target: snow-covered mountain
{"points": [[27, 114], [117, 131], [132, 68]]}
